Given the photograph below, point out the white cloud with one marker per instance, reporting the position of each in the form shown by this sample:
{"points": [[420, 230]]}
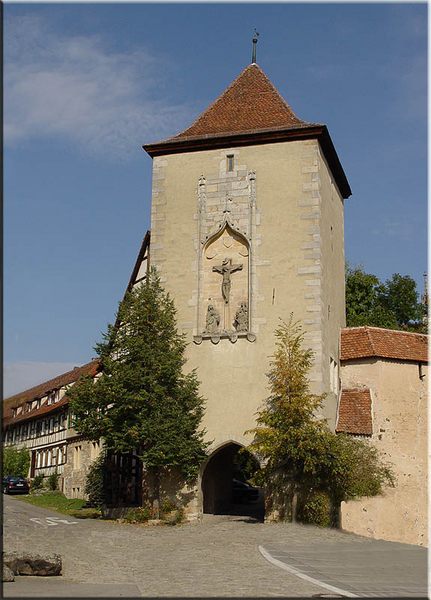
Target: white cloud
{"points": [[20, 376], [76, 88]]}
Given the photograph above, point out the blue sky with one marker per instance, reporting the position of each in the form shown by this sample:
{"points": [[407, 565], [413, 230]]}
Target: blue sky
{"points": [[87, 84]]}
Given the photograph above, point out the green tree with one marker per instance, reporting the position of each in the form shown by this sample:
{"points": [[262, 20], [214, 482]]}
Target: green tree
{"points": [[94, 483], [16, 462], [144, 402], [299, 453], [364, 305], [393, 304], [399, 295]]}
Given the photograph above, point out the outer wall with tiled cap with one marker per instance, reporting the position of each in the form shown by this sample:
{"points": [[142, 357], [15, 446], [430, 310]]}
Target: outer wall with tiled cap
{"points": [[398, 392]]}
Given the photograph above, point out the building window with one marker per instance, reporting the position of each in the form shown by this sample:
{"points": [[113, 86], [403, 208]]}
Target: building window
{"points": [[61, 455], [77, 457], [229, 162], [333, 376], [94, 450]]}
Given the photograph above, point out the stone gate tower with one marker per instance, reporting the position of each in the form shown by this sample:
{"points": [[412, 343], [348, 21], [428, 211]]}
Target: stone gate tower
{"points": [[246, 228]]}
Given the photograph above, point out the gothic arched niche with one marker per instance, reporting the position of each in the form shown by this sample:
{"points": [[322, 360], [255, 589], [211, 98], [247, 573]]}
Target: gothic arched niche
{"points": [[225, 283]]}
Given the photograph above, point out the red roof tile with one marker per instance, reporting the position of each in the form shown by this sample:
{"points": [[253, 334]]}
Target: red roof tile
{"points": [[250, 111], [45, 388], [9, 419], [364, 342], [250, 103], [354, 414]]}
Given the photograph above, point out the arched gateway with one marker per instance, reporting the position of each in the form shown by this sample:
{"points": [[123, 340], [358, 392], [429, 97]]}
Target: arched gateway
{"points": [[224, 485]]}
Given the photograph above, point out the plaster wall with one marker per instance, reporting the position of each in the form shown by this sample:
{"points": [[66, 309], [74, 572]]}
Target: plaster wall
{"points": [[399, 409], [296, 204]]}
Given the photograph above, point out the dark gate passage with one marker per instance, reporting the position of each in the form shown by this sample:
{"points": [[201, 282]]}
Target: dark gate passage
{"points": [[224, 484], [123, 479]]}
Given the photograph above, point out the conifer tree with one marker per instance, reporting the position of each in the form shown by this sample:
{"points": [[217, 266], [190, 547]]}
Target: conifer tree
{"points": [[298, 451], [143, 401]]}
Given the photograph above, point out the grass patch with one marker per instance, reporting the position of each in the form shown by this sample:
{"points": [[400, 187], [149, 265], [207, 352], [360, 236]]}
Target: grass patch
{"points": [[86, 513], [56, 501]]}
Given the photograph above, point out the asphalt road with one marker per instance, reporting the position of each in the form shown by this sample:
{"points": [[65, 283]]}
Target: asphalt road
{"points": [[220, 556]]}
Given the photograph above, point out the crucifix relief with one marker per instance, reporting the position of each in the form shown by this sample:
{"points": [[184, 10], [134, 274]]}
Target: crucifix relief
{"points": [[226, 269]]}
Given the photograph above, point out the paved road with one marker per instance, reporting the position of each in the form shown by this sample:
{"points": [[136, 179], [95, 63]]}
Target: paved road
{"points": [[218, 557]]}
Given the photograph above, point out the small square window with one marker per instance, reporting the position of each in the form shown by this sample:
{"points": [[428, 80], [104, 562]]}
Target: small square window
{"points": [[229, 162]]}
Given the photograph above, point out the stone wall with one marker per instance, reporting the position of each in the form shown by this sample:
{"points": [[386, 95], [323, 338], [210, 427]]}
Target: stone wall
{"points": [[399, 410], [80, 454]]}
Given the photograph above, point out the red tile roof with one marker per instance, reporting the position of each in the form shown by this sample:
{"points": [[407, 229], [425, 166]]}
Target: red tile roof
{"points": [[9, 419], [43, 389], [364, 342], [250, 111], [250, 103], [354, 413]]}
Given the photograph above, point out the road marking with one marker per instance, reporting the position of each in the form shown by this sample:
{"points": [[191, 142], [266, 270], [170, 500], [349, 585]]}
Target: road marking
{"points": [[294, 571], [52, 521]]}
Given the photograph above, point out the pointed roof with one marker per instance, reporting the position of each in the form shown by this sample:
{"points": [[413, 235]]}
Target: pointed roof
{"points": [[250, 111], [250, 103]]}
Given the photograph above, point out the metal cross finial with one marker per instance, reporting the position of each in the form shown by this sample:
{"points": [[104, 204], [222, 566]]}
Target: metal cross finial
{"points": [[253, 56]]}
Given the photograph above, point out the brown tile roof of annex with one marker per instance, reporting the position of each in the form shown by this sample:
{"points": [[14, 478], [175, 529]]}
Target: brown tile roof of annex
{"points": [[354, 413], [46, 387], [367, 342], [250, 111]]}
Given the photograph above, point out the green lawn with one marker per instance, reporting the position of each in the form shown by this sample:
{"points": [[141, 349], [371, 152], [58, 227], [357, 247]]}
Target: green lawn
{"points": [[58, 501]]}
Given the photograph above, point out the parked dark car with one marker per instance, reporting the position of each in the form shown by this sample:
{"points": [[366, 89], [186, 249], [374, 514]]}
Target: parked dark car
{"points": [[15, 485], [243, 492]]}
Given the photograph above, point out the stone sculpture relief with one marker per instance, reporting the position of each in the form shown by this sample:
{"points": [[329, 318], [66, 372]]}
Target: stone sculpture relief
{"points": [[226, 215], [212, 320], [226, 269], [241, 318]]}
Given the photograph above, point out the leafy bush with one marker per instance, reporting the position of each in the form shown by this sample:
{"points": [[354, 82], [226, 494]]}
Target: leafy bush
{"points": [[138, 515], [167, 506], [94, 484], [37, 483], [314, 508], [16, 462], [174, 517], [53, 481]]}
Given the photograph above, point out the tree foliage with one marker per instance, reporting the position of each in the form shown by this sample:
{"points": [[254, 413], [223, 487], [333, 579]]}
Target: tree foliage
{"points": [[298, 451], [144, 402], [393, 304], [16, 462], [95, 483]]}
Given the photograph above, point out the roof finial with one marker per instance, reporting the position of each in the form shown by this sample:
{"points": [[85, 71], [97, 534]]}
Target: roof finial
{"points": [[253, 56]]}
